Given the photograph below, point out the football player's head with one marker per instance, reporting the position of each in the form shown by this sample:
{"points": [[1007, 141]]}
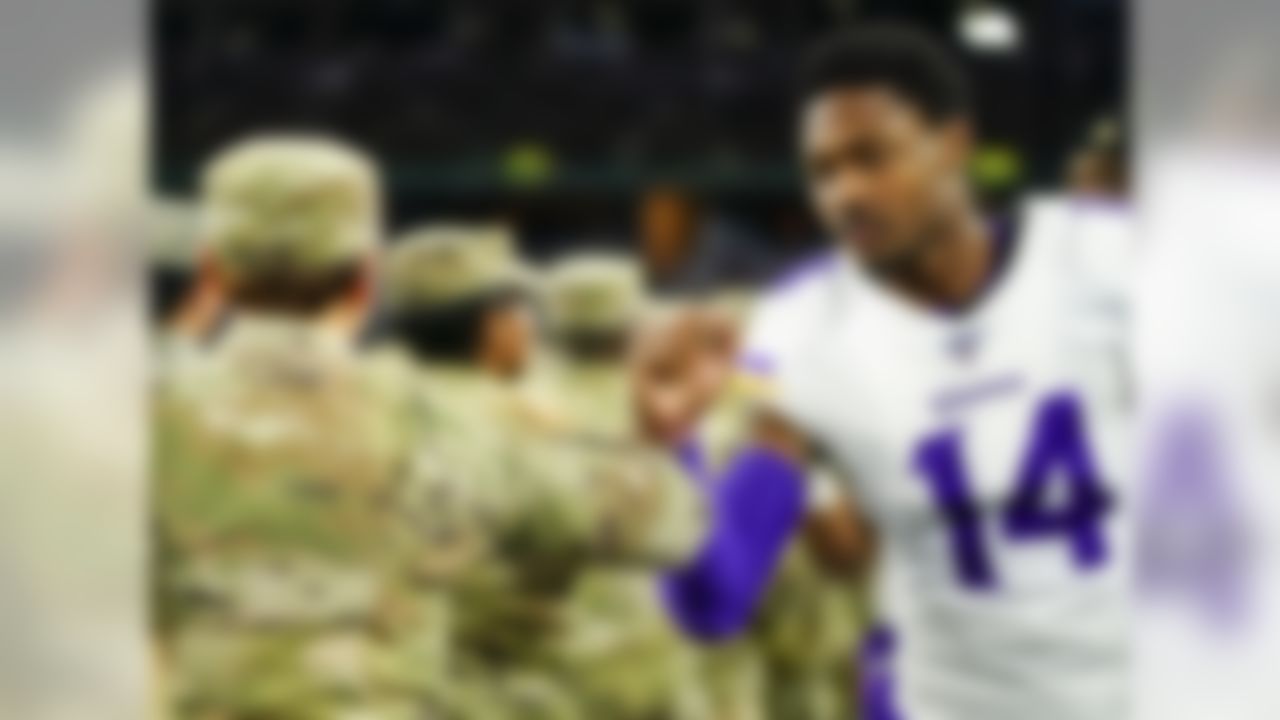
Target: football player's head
{"points": [[885, 138]]}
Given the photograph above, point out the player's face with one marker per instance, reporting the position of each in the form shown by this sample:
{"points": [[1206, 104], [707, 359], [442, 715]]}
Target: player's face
{"points": [[881, 176]]}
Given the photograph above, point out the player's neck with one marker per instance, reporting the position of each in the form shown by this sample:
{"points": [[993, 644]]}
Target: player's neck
{"points": [[953, 269]]}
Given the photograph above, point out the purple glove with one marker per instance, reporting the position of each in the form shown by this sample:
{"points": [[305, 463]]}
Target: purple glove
{"points": [[757, 505]]}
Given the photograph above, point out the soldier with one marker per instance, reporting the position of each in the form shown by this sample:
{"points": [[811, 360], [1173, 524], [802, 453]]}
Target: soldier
{"points": [[592, 304], [542, 500], [284, 561], [622, 656], [185, 304], [470, 280]]}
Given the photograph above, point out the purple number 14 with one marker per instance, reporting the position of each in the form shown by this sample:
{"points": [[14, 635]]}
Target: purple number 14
{"points": [[1058, 452]]}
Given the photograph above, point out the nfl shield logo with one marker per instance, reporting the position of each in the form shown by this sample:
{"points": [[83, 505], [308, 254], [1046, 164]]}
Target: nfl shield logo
{"points": [[963, 345]]}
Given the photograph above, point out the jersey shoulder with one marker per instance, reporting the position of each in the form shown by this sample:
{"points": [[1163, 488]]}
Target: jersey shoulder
{"points": [[785, 362], [1096, 238], [792, 315]]}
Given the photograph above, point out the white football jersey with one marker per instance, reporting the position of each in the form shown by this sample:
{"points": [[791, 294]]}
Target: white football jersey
{"points": [[988, 449]]}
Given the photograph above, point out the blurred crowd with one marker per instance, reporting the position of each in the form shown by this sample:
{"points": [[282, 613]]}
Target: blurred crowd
{"points": [[560, 112]]}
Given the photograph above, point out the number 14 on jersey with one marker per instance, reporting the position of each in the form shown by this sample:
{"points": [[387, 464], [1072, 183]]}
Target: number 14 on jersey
{"points": [[1057, 451]]}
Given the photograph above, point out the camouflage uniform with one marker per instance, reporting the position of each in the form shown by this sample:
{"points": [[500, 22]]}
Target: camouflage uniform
{"points": [[541, 502], [284, 563], [807, 632], [619, 650]]}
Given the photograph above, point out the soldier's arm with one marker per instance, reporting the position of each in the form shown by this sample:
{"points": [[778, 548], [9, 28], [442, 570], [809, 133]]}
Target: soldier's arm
{"points": [[608, 500], [644, 507]]}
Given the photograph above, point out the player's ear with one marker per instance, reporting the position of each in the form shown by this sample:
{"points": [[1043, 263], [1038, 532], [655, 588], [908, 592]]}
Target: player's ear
{"points": [[958, 141]]}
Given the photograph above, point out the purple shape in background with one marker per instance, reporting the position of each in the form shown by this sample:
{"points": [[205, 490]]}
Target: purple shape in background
{"points": [[1193, 545]]}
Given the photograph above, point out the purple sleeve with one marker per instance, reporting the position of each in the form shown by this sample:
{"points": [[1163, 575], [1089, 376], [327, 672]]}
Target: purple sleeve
{"points": [[757, 505]]}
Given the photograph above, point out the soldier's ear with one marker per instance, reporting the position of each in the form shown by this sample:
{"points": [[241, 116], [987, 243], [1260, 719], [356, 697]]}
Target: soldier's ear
{"points": [[209, 295], [354, 307], [211, 278], [363, 285]]}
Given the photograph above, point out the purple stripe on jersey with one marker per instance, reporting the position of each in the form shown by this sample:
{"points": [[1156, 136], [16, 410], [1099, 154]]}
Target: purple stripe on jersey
{"points": [[803, 269], [1004, 235], [1005, 244], [757, 363], [879, 694], [1109, 205], [952, 400]]}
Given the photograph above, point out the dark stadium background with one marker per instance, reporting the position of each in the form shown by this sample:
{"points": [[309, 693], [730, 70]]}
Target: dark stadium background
{"points": [[562, 116]]}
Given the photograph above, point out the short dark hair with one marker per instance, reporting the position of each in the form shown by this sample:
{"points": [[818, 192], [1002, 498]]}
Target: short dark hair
{"points": [[593, 345], [451, 332], [170, 288], [296, 294], [911, 63]]}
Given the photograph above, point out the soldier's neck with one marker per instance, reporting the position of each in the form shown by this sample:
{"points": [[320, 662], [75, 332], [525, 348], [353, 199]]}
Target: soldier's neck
{"points": [[498, 368], [336, 322], [344, 317]]}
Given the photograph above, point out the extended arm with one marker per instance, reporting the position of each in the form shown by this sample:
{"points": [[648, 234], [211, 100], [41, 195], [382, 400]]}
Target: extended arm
{"points": [[758, 502]]}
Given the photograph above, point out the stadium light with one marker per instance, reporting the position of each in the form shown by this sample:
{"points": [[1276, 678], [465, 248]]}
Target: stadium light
{"points": [[989, 29]]}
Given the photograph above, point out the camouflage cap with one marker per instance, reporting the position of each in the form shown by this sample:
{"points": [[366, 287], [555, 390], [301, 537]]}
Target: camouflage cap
{"points": [[586, 293], [172, 234], [446, 263], [291, 205]]}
